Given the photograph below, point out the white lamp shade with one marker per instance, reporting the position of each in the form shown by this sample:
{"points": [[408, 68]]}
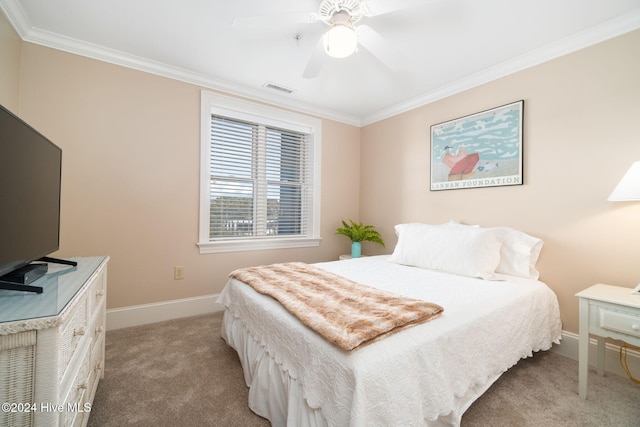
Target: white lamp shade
{"points": [[628, 189], [340, 41]]}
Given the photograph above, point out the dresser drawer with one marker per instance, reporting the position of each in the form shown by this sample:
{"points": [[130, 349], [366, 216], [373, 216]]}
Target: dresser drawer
{"points": [[73, 401], [626, 323], [98, 328], [73, 331], [97, 365], [98, 291]]}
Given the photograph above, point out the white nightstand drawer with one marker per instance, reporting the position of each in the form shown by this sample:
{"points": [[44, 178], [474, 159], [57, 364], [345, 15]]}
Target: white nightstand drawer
{"points": [[625, 323]]}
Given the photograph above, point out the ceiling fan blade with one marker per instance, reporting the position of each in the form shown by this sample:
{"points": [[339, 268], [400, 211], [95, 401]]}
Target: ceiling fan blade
{"points": [[373, 42], [315, 62], [273, 21], [380, 7]]}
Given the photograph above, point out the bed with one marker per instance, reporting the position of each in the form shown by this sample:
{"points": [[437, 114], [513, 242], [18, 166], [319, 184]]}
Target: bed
{"points": [[496, 312]]}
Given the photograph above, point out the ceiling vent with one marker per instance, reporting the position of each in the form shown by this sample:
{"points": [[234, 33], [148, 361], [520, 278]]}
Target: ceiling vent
{"points": [[279, 88]]}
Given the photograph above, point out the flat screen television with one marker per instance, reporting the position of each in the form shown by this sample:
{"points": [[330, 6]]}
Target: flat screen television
{"points": [[30, 176]]}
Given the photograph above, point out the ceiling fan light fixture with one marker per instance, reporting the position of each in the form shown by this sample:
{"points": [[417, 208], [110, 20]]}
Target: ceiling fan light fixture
{"points": [[342, 39]]}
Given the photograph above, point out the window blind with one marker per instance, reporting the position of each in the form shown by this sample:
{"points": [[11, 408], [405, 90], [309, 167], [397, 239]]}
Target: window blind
{"points": [[260, 180]]}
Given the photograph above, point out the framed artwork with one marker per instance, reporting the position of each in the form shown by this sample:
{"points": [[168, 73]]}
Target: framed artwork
{"points": [[480, 150]]}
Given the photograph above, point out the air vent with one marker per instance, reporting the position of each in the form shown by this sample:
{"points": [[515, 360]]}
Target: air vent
{"points": [[278, 88]]}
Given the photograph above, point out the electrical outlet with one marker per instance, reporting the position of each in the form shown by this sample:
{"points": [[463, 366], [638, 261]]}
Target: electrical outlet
{"points": [[178, 272]]}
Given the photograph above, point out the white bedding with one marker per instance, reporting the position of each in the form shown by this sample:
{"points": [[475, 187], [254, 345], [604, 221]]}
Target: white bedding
{"points": [[428, 374]]}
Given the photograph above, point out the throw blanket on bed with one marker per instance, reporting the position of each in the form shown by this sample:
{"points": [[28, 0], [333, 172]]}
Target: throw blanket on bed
{"points": [[344, 312]]}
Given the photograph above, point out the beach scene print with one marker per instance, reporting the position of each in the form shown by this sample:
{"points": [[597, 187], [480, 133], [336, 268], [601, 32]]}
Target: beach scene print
{"points": [[480, 150]]}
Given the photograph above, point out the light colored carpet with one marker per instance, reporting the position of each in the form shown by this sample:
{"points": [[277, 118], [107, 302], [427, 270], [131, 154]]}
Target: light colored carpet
{"points": [[181, 372]]}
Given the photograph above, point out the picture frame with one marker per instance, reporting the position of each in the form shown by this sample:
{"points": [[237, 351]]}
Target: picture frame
{"points": [[479, 150]]}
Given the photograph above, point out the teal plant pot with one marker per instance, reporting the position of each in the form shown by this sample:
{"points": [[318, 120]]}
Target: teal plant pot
{"points": [[356, 249]]}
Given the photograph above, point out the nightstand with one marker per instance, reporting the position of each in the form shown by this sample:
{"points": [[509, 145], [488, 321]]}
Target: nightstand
{"points": [[608, 312]]}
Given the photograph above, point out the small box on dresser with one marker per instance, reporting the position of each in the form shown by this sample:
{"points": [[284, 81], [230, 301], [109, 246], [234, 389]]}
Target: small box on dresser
{"points": [[52, 346]]}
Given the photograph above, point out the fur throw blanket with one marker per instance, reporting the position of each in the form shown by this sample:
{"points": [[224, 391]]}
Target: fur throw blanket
{"points": [[344, 312]]}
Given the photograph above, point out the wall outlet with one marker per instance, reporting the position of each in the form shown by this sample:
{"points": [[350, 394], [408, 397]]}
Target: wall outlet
{"points": [[178, 272]]}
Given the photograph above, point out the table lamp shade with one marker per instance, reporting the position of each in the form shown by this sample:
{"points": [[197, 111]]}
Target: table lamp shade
{"points": [[628, 189]]}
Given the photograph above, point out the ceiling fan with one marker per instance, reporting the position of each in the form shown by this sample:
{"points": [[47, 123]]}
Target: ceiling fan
{"points": [[343, 37]]}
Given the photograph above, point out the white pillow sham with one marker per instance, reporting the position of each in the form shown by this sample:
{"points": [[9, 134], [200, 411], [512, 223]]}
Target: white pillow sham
{"points": [[468, 251], [519, 253]]}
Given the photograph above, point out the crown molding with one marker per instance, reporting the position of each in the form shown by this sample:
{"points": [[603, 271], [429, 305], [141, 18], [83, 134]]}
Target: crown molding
{"points": [[115, 57], [16, 16], [594, 35], [612, 28]]}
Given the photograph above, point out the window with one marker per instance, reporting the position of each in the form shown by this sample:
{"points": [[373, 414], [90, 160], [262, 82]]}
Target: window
{"points": [[259, 177]]}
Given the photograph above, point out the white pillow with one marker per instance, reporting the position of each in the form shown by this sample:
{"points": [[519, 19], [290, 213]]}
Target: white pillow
{"points": [[519, 253], [468, 251]]}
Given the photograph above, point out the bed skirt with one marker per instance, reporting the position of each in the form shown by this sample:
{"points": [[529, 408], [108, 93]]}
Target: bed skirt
{"points": [[273, 393], [276, 396]]}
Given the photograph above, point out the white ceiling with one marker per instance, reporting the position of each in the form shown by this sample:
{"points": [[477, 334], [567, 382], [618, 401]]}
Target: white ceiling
{"points": [[444, 46]]}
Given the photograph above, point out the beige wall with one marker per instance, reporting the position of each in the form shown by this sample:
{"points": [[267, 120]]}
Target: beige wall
{"points": [[9, 65], [581, 133], [130, 185], [131, 160]]}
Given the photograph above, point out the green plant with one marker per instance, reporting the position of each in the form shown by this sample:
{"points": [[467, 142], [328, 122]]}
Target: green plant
{"points": [[359, 232]]}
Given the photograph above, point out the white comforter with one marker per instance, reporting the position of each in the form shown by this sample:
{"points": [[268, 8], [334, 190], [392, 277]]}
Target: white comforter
{"points": [[428, 374]]}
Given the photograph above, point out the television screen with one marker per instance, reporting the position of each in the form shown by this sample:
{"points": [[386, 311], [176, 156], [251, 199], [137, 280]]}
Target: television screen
{"points": [[30, 173]]}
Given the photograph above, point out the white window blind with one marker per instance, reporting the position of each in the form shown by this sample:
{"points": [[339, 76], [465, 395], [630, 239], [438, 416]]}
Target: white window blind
{"points": [[260, 182]]}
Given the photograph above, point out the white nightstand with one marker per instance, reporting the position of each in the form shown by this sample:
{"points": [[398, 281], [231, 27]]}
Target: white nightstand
{"points": [[608, 312]]}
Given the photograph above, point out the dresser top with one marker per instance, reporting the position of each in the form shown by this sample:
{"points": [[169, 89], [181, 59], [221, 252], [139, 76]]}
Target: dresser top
{"points": [[60, 285]]}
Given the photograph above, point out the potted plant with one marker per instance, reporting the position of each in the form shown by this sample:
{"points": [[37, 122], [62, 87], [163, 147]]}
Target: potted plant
{"points": [[358, 232]]}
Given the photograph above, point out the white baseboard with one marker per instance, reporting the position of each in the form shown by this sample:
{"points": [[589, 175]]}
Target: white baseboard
{"points": [[568, 347], [125, 317], [118, 318]]}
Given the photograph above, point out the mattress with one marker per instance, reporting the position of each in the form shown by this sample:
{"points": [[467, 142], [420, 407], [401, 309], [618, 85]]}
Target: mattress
{"points": [[428, 374]]}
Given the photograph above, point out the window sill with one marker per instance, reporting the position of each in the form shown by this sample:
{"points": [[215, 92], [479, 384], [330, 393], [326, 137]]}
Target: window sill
{"points": [[256, 245]]}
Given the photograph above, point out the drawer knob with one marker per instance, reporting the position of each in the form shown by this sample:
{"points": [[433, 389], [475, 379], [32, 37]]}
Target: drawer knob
{"points": [[99, 329], [78, 332], [100, 293], [82, 386]]}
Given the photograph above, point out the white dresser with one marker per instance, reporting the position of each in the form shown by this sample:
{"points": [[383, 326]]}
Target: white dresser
{"points": [[52, 346]]}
